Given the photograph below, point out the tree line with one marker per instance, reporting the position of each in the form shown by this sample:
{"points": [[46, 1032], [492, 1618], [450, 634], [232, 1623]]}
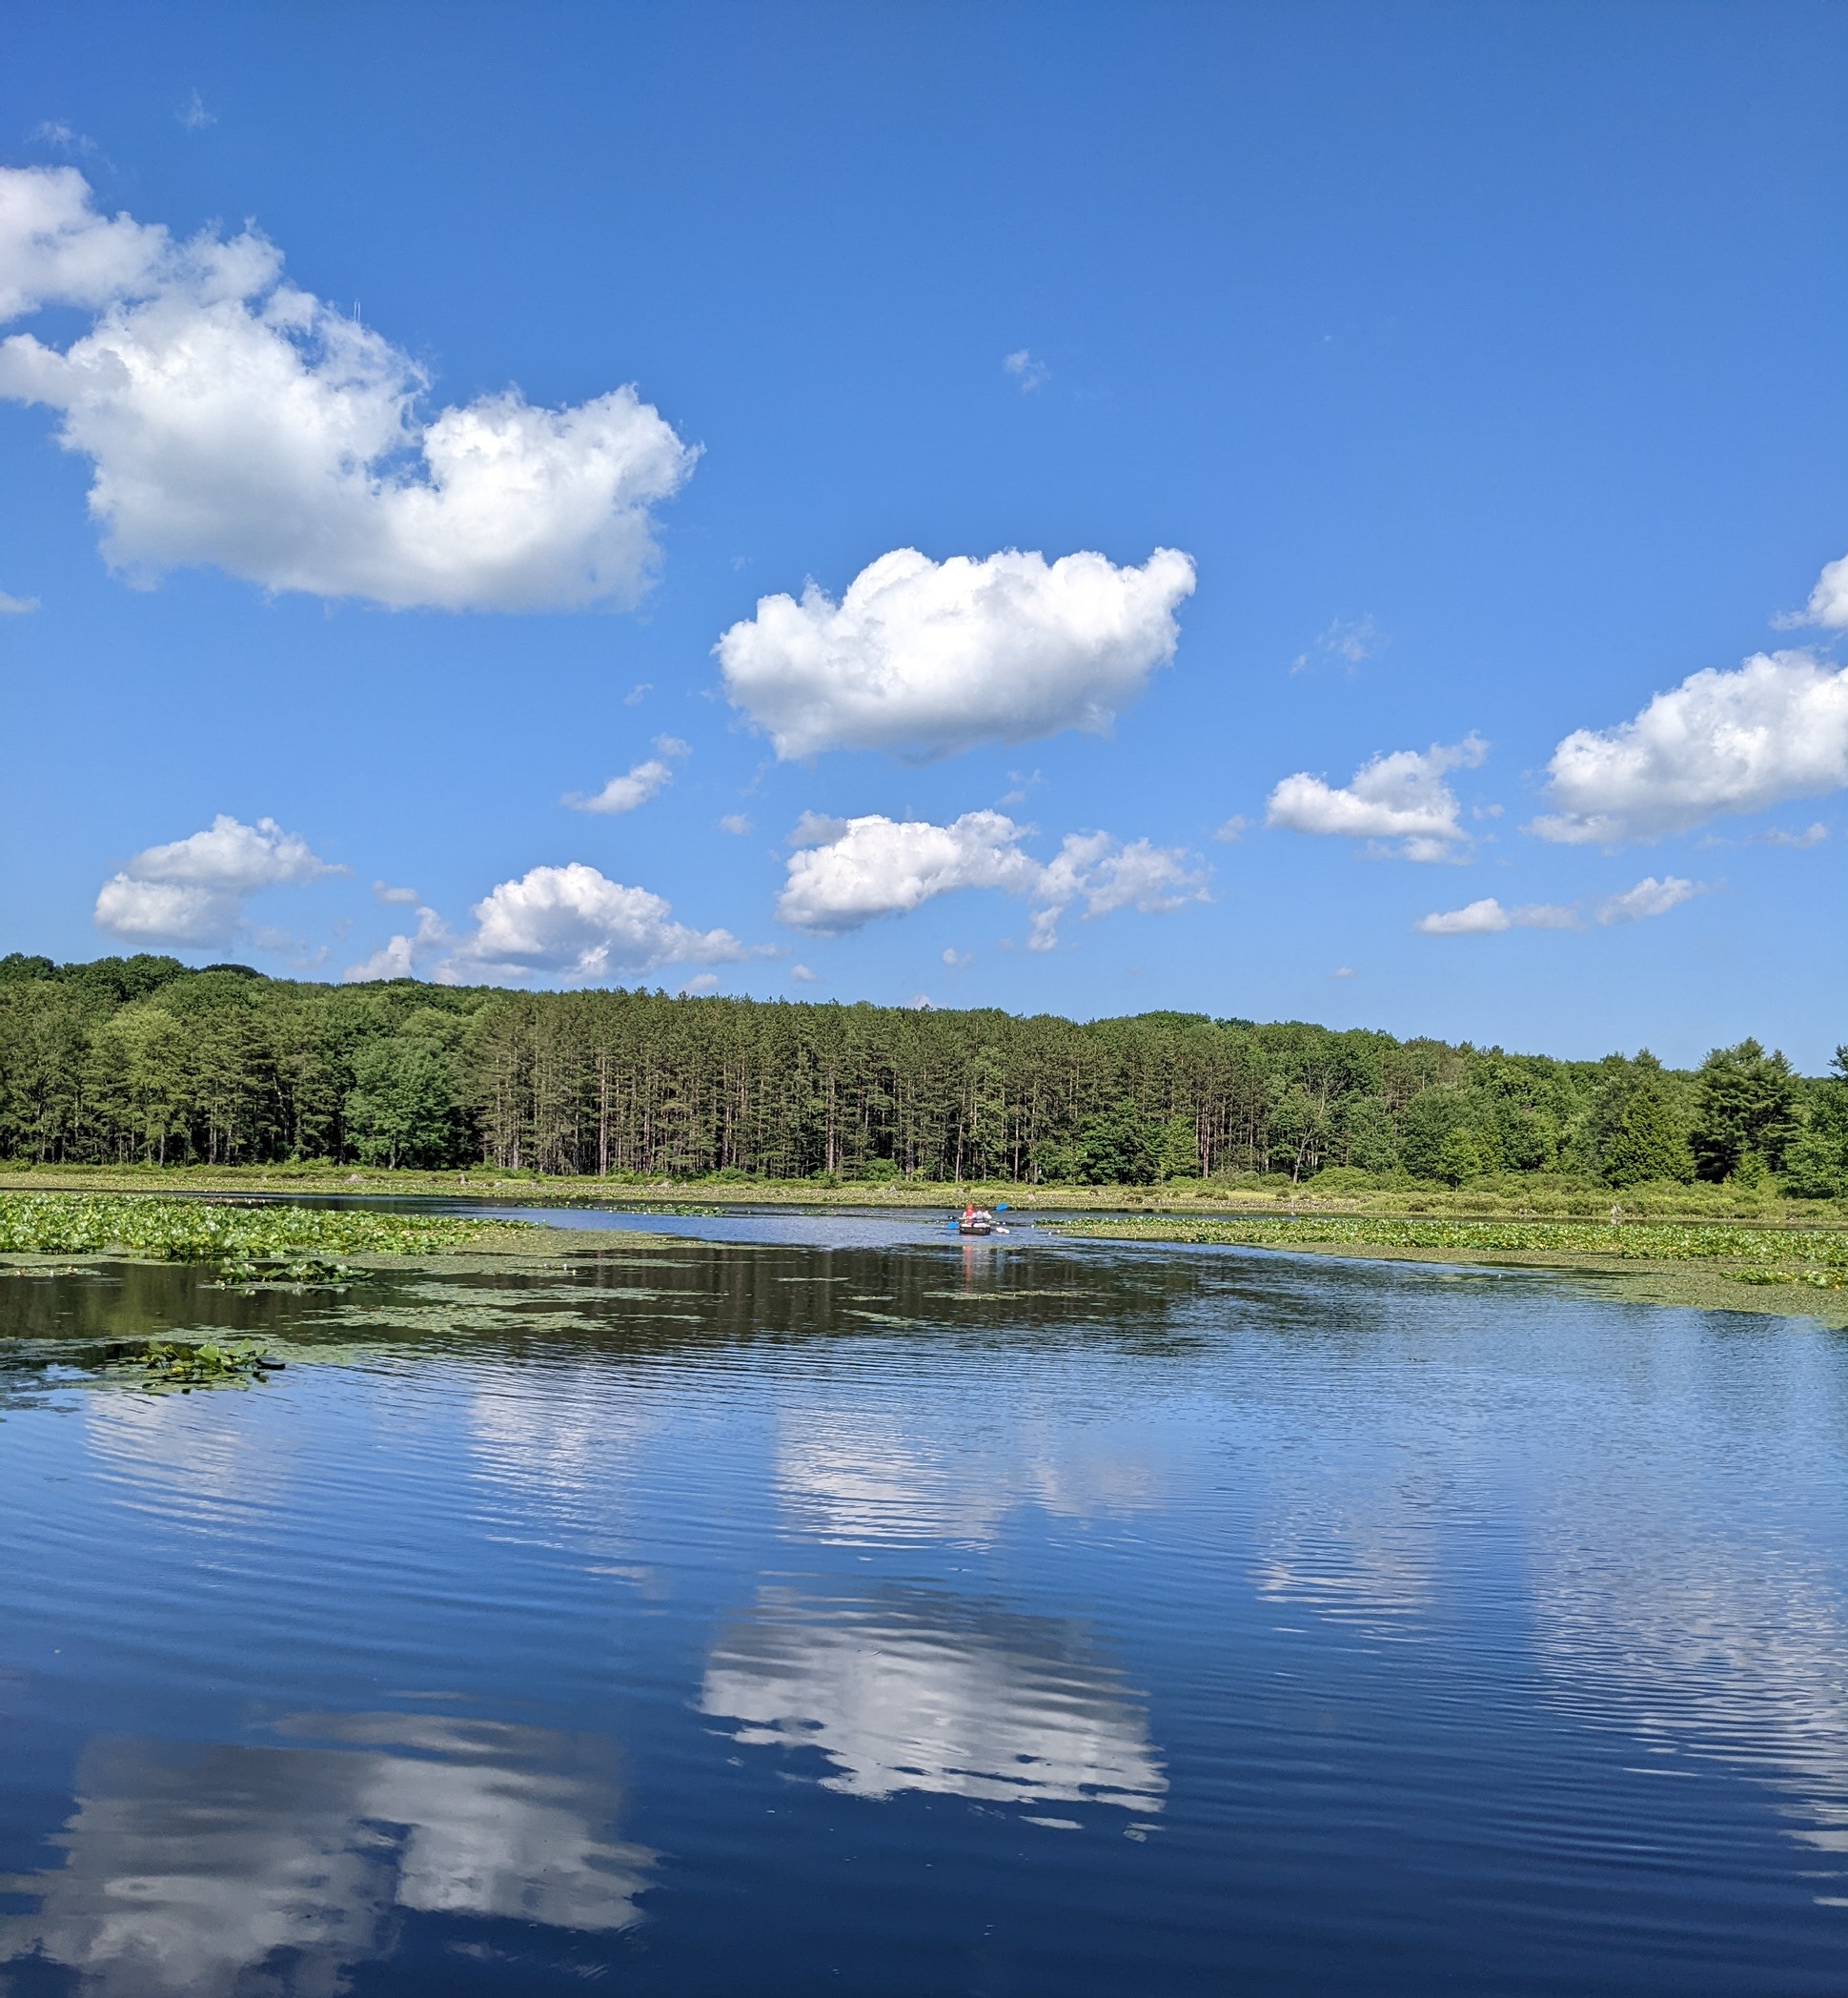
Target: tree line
{"points": [[142, 1060]]}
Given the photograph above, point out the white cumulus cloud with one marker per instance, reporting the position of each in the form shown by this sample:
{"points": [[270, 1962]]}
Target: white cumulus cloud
{"points": [[1720, 742], [235, 420], [925, 657], [1401, 797], [400, 955], [846, 872], [574, 922], [193, 890], [56, 249], [16, 607]]}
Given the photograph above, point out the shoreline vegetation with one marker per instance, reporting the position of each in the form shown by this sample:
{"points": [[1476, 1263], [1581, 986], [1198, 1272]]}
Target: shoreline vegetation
{"points": [[1785, 1259], [142, 1097], [1786, 1271], [141, 1061], [247, 1244], [1517, 1196]]}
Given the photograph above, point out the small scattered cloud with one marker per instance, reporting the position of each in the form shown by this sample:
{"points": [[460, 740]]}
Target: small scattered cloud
{"points": [[624, 793], [400, 955], [16, 607], [1811, 836], [1486, 916], [1828, 603], [235, 421], [956, 959], [193, 890], [925, 659], [1231, 830], [1650, 897], [844, 873], [802, 975], [736, 824], [1720, 743], [1398, 797], [1027, 371], [1347, 642], [700, 985], [639, 693], [383, 891], [1343, 971], [192, 114], [636, 785], [61, 136]]}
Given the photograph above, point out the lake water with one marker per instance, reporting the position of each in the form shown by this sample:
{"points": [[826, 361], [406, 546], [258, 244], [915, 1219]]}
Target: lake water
{"points": [[839, 1607]]}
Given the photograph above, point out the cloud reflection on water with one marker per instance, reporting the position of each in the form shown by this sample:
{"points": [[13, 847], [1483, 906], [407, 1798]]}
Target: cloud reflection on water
{"points": [[191, 1865], [909, 1690]]}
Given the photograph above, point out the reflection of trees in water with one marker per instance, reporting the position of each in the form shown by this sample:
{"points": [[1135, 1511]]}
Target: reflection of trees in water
{"points": [[909, 1690], [190, 1868]]}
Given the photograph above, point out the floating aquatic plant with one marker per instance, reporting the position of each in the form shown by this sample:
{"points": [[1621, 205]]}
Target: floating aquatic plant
{"points": [[1629, 1241], [251, 1242], [171, 1364]]}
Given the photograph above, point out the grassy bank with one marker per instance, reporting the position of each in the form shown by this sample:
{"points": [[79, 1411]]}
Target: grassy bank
{"points": [[1708, 1264], [1527, 1196]]}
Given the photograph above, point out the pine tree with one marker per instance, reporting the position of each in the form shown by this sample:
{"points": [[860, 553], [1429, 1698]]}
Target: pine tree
{"points": [[1648, 1142], [1748, 1103]]}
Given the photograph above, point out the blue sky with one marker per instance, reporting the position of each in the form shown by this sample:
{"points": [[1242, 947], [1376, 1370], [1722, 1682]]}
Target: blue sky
{"points": [[1484, 364]]}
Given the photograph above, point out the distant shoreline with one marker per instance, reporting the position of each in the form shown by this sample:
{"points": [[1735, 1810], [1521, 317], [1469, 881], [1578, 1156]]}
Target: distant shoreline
{"points": [[1524, 1197]]}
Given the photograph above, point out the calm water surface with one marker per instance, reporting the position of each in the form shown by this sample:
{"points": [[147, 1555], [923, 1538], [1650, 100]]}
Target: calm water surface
{"points": [[832, 1606]]}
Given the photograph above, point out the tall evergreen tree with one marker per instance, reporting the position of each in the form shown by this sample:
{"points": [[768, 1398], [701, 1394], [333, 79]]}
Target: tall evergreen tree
{"points": [[1747, 1106]]}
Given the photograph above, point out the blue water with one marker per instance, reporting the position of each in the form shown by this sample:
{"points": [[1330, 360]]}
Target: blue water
{"points": [[828, 1605]]}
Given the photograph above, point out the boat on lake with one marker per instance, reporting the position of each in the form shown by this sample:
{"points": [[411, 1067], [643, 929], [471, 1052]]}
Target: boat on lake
{"points": [[979, 1220]]}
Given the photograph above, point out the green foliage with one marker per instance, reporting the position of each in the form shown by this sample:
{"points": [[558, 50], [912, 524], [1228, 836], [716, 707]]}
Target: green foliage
{"points": [[1428, 1125], [1648, 1140], [405, 1108], [1458, 1157], [165, 1364], [1119, 1148], [1632, 1241], [1177, 1151], [1747, 1108], [239, 1237], [138, 1060]]}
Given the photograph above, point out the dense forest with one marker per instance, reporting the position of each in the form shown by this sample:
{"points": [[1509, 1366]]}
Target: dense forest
{"points": [[140, 1059]]}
